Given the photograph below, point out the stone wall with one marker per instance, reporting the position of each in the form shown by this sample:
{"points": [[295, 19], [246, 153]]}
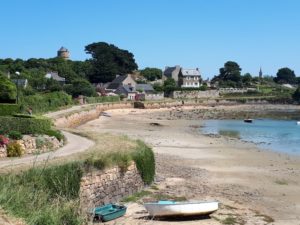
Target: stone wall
{"points": [[109, 186], [196, 94], [34, 145], [3, 152], [81, 117]]}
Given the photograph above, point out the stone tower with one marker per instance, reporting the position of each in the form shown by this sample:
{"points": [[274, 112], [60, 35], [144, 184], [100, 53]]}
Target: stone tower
{"points": [[63, 53]]}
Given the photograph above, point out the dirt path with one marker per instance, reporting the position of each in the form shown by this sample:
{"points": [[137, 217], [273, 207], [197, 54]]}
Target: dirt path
{"points": [[74, 145]]}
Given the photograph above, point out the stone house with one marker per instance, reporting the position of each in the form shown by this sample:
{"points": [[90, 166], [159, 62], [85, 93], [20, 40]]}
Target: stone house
{"points": [[55, 76], [121, 80], [149, 92], [186, 78], [189, 78]]}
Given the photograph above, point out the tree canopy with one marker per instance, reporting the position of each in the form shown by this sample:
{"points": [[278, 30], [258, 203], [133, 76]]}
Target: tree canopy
{"points": [[109, 60], [80, 87], [151, 74], [296, 95], [285, 76], [229, 74], [8, 90]]}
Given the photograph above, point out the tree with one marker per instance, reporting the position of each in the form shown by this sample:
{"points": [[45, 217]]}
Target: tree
{"points": [[8, 90], [151, 74], [285, 76], [247, 78], [230, 72], [108, 60], [80, 87], [296, 95], [169, 86], [158, 87]]}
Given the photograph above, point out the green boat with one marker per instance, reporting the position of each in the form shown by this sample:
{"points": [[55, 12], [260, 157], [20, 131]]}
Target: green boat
{"points": [[109, 212]]}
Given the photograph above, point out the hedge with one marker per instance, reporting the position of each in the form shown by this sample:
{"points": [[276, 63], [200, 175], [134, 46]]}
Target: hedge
{"points": [[102, 99], [41, 103], [9, 109], [24, 125]]}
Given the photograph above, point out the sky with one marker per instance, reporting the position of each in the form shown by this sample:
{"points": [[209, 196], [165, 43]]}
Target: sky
{"points": [[200, 34]]}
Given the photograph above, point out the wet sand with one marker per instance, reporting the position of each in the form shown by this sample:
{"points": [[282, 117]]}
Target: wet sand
{"points": [[254, 186]]}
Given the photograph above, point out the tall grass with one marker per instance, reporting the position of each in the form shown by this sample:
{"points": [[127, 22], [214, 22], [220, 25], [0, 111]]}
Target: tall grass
{"points": [[43, 196], [49, 194]]}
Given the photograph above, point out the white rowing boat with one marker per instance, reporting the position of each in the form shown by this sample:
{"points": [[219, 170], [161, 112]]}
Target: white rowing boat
{"points": [[171, 208], [298, 122]]}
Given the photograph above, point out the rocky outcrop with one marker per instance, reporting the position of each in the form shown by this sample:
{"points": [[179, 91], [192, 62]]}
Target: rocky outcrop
{"points": [[107, 186], [3, 152]]}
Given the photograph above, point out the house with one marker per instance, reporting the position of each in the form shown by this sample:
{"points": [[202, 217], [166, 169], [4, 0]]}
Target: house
{"points": [[127, 91], [149, 92], [171, 72], [189, 78], [55, 76], [121, 80], [186, 78], [23, 83]]}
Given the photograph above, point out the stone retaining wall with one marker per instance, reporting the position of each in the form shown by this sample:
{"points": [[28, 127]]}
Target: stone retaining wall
{"points": [[109, 186], [34, 145], [196, 94]]}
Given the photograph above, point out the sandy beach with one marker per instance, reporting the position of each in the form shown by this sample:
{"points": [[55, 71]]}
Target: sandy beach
{"points": [[253, 186]]}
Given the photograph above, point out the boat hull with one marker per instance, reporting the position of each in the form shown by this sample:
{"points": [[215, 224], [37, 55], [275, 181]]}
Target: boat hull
{"points": [[181, 209]]}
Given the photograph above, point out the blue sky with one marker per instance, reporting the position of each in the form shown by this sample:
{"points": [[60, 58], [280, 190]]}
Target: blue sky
{"points": [[190, 33]]}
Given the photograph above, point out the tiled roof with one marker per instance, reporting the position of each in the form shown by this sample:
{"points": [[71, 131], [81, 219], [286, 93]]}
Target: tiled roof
{"points": [[190, 72], [117, 82], [55, 76]]}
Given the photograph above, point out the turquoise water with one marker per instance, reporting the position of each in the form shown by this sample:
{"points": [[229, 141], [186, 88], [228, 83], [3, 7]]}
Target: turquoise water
{"points": [[277, 135]]}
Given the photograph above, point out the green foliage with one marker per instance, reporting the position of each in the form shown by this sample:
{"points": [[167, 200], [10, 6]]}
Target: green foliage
{"points": [[41, 103], [145, 161], [231, 72], [8, 109], [44, 196], [55, 133], [25, 125], [80, 87], [109, 60], [296, 95], [158, 87], [14, 149], [169, 86], [91, 100], [151, 74], [8, 90], [285, 76], [16, 135], [136, 196], [23, 115]]}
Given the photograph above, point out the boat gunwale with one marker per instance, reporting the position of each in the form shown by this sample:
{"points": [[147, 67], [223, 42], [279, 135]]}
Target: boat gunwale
{"points": [[179, 203]]}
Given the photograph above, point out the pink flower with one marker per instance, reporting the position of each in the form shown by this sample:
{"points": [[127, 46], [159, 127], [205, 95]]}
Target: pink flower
{"points": [[3, 140]]}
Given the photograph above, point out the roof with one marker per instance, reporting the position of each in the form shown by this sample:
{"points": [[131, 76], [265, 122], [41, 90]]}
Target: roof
{"points": [[190, 72], [116, 82], [125, 89], [63, 49], [55, 76], [169, 70], [145, 87], [20, 82]]}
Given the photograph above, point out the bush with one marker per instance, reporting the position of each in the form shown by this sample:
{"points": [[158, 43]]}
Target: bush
{"points": [[25, 125], [14, 149], [41, 103], [9, 109], [145, 161], [55, 133], [16, 135], [102, 99]]}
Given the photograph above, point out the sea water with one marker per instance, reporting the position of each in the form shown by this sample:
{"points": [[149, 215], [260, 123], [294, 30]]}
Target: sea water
{"points": [[277, 135]]}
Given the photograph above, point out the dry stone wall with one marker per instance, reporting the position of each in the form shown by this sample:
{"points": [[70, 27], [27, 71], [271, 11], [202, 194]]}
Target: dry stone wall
{"points": [[3, 152], [109, 186]]}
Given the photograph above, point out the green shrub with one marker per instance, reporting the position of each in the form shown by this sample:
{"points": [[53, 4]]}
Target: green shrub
{"points": [[145, 161], [23, 115], [91, 100], [55, 133], [14, 149], [25, 125], [40, 103], [9, 109], [16, 135]]}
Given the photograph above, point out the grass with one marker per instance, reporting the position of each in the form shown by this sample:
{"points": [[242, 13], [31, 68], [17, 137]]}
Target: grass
{"points": [[48, 193], [136, 196]]}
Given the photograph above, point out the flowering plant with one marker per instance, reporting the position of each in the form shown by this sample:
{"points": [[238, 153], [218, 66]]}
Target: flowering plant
{"points": [[3, 140]]}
